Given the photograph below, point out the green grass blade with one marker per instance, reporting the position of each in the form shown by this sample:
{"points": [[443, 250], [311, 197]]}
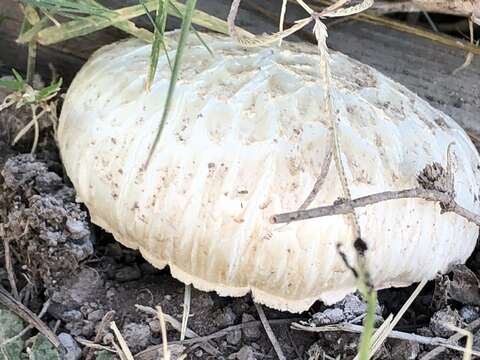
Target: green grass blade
{"points": [[67, 8], [12, 85], [197, 34], [368, 325], [28, 35], [158, 40], [87, 25], [18, 76], [182, 42], [49, 90]]}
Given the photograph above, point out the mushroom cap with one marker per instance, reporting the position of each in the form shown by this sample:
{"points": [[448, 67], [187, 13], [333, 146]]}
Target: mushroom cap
{"points": [[245, 139]]}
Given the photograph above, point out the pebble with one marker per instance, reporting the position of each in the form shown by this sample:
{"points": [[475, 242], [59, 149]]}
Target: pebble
{"points": [[96, 315], [250, 332], [245, 353], [234, 337], [439, 320], [136, 335], [225, 317], [73, 351]]}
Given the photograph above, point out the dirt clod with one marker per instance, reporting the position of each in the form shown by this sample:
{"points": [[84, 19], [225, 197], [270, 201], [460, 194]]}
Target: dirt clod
{"points": [[72, 350], [441, 319], [136, 335], [250, 332]]}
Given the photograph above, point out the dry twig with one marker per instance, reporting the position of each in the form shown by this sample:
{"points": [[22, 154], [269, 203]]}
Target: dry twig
{"points": [[9, 268], [186, 310], [341, 207], [399, 335], [107, 318], [177, 325], [453, 339], [147, 354], [270, 333], [28, 316], [123, 349]]}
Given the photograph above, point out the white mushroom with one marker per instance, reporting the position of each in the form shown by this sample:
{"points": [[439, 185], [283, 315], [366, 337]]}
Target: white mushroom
{"points": [[245, 140]]}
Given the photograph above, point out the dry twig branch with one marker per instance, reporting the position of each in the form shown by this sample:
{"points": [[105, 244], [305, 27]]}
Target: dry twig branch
{"points": [[186, 310], [453, 339], [270, 333], [146, 354], [9, 268], [399, 335], [45, 307], [28, 316], [342, 207], [177, 325], [107, 318], [122, 350]]}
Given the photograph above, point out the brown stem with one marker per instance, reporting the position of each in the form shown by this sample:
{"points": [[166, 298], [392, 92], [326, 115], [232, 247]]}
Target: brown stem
{"points": [[343, 207]]}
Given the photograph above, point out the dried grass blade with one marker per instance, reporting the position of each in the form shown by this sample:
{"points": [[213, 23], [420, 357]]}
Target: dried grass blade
{"points": [[166, 352], [186, 311], [89, 24], [123, 344]]}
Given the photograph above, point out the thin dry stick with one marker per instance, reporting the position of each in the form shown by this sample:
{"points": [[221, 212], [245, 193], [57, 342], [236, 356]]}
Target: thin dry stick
{"points": [[119, 351], [401, 26], [146, 354], [177, 325], [94, 346], [341, 207], [166, 353], [107, 318], [42, 312], [399, 335], [186, 310], [467, 355], [9, 268], [453, 339], [470, 55], [28, 316], [123, 344], [270, 333], [283, 12]]}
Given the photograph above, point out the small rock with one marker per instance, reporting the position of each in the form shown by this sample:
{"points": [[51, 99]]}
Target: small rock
{"points": [[245, 353], [72, 316], [250, 332], [136, 335], [469, 313], [128, 273], [96, 315], [441, 319], [234, 337], [88, 329], [404, 350], [353, 306], [465, 286], [108, 338], [329, 316], [73, 351], [155, 326], [199, 353], [225, 317]]}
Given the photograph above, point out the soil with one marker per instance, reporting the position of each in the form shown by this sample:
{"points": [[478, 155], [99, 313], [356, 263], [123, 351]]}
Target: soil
{"points": [[59, 255]]}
